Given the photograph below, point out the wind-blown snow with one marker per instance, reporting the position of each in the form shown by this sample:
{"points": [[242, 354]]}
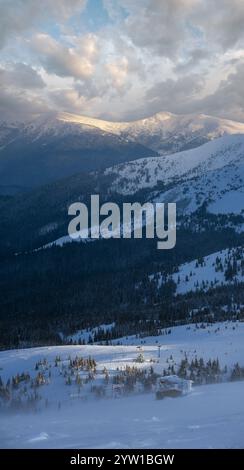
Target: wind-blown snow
{"points": [[211, 416]]}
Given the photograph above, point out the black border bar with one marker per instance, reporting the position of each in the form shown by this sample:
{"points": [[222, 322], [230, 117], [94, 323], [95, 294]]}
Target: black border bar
{"points": [[98, 458]]}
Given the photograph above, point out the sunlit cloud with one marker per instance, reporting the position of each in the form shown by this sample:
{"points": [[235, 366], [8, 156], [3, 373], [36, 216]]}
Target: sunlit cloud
{"points": [[123, 59]]}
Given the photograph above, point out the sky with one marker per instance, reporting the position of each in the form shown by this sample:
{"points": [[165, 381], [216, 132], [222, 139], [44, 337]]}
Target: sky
{"points": [[121, 59]]}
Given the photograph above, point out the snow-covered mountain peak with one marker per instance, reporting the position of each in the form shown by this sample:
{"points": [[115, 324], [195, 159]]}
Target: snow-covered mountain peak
{"points": [[107, 126], [164, 131], [162, 121]]}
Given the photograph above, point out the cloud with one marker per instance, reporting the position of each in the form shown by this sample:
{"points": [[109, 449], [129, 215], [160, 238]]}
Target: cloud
{"points": [[221, 21], [195, 58], [182, 56], [160, 26], [118, 72], [182, 96], [228, 100], [68, 99], [71, 100], [91, 89], [20, 105], [168, 26], [18, 16], [174, 95], [20, 92], [20, 75], [62, 60]]}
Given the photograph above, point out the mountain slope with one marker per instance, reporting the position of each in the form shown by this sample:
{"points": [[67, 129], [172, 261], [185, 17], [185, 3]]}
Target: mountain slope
{"points": [[146, 173], [221, 268], [212, 174], [221, 191]]}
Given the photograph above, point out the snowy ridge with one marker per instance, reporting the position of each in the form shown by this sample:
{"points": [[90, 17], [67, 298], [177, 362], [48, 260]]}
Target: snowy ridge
{"points": [[221, 190], [164, 131], [218, 269], [212, 174], [66, 239], [163, 128], [48, 126], [145, 173]]}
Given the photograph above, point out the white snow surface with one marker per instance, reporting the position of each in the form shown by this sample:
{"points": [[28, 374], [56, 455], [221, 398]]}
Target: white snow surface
{"points": [[145, 173], [212, 416], [212, 173]]}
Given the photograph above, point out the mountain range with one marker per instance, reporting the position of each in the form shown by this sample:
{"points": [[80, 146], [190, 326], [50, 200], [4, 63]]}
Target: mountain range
{"points": [[164, 132], [58, 145]]}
